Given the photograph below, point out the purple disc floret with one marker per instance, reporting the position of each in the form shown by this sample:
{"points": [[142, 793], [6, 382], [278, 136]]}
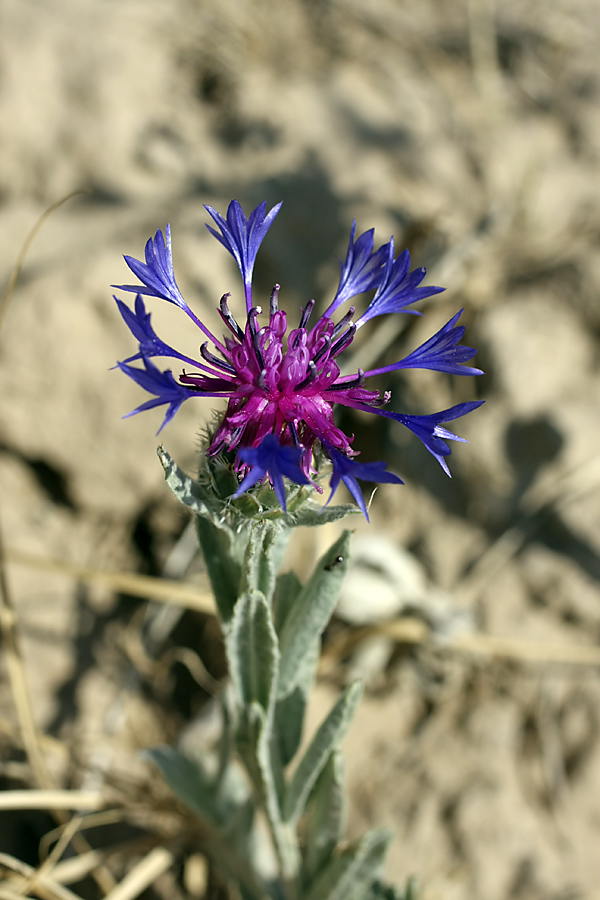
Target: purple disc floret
{"points": [[282, 385]]}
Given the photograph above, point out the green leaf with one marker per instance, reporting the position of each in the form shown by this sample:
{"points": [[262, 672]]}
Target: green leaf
{"points": [[252, 651], [325, 741], [189, 781], [326, 815], [287, 588], [350, 875], [311, 514], [290, 710], [219, 548], [311, 612], [222, 566], [253, 741], [185, 488], [264, 551]]}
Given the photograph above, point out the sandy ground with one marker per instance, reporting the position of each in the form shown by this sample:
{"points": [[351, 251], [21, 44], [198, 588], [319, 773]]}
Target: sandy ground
{"points": [[472, 135]]}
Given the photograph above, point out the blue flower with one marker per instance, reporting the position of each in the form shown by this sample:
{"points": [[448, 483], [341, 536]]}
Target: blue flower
{"points": [[162, 384], [398, 287], [440, 353], [243, 236], [429, 428], [282, 387], [347, 470], [361, 270], [150, 344], [272, 459], [157, 275]]}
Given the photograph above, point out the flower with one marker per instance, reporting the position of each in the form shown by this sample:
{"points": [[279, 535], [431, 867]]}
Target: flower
{"points": [[282, 386]]}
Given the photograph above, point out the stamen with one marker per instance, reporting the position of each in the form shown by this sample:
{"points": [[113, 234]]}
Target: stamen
{"points": [[344, 341], [294, 433], [261, 381], [345, 321], [324, 349], [312, 374], [228, 318], [215, 361], [255, 333], [357, 381], [306, 313], [274, 301]]}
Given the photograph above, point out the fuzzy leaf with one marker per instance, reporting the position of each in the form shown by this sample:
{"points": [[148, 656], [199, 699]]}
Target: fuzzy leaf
{"points": [[326, 815], [311, 612], [216, 539], [311, 514], [350, 875], [252, 651], [222, 566], [325, 741], [287, 589], [189, 782], [185, 488], [290, 710], [253, 742], [266, 545]]}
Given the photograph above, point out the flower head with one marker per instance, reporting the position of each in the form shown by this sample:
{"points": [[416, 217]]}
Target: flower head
{"points": [[282, 385]]}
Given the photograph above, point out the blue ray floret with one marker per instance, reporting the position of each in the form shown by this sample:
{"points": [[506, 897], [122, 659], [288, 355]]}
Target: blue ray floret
{"points": [[160, 383], [282, 386], [274, 461], [430, 432], [398, 287], [156, 274], [348, 470], [243, 236], [150, 345], [441, 353], [361, 271]]}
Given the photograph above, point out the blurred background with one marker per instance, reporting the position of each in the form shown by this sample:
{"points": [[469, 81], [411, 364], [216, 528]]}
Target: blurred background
{"points": [[471, 132]]}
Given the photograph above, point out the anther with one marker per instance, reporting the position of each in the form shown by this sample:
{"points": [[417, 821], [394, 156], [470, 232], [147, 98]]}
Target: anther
{"points": [[215, 361], [274, 301], [343, 322], [294, 433], [228, 318], [357, 381], [262, 380], [306, 313], [324, 349], [312, 374], [344, 340], [255, 334]]}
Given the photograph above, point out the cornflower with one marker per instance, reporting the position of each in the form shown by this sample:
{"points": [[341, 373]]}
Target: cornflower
{"points": [[282, 388]]}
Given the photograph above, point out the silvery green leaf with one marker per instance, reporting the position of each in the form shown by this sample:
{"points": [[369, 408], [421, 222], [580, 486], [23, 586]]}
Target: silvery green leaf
{"points": [[185, 488], [264, 551], [222, 566], [252, 651], [326, 815], [350, 875], [312, 514], [220, 546], [290, 710], [287, 588], [311, 612], [189, 781], [226, 738], [253, 740], [325, 741]]}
